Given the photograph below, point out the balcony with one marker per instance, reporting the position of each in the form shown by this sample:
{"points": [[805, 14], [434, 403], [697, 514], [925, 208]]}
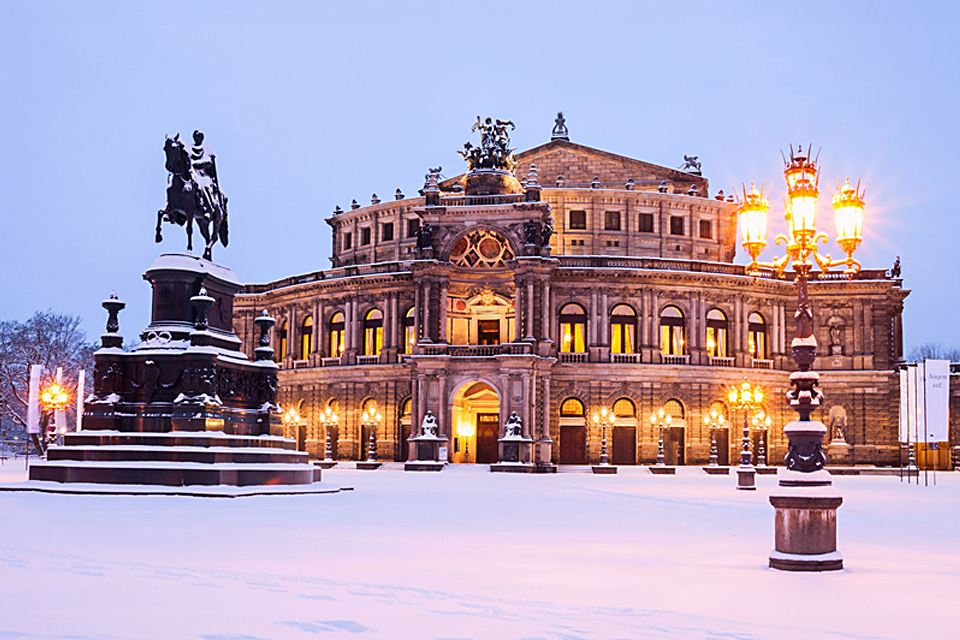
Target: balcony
{"points": [[301, 364], [625, 358], [363, 360], [572, 358], [716, 361], [670, 359], [479, 350], [762, 364], [330, 362]]}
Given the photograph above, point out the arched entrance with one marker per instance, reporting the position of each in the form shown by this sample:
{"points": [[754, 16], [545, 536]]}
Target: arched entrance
{"points": [[475, 417]]}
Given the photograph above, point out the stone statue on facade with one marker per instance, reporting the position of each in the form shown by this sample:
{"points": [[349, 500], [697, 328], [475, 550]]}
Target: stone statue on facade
{"points": [[193, 193], [424, 237], [513, 428], [546, 232], [429, 427], [691, 162], [494, 151], [560, 128], [895, 271]]}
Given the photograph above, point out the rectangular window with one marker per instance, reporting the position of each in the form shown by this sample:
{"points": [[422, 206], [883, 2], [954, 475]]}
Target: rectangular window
{"points": [[676, 226], [706, 229], [365, 236], [412, 227], [578, 219], [386, 232], [645, 223], [348, 240], [488, 332], [611, 221]]}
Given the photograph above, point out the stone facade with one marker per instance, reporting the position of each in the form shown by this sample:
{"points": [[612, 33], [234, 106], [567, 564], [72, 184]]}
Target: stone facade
{"points": [[634, 302]]}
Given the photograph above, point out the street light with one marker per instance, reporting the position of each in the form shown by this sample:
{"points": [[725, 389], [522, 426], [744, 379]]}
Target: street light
{"points": [[371, 418], [291, 420], [806, 529], [762, 423], [746, 397], [714, 420], [659, 419], [54, 398], [329, 420], [603, 419], [466, 431]]}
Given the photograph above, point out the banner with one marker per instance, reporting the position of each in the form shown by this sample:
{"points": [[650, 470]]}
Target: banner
{"points": [[80, 381], [33, 399], [937, 404], [904, 435]]}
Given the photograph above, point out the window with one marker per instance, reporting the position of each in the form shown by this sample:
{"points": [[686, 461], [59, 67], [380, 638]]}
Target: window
{"points": [[347, 240], [623, 329], [672, 329], [413, 226], [282, 341], [611, 221], [757, 336], [706, 229], [481, 249], [364, 236], [578, 219], [573, 328], [373, 332], [306, 337], [624, 408], [676, 226], [336, 335], [674, 408], [576, 243], [645, 223], [409, 331], [571, 407], [488, 332], [716, 334], [612, 243], [386, 232]]}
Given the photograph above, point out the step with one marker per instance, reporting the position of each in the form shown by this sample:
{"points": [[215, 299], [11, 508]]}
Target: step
{"points": [[175, 474], [176, 439], [206, 455]]}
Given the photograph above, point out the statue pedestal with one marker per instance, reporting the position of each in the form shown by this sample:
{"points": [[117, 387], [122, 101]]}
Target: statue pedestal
{"points": [[425, 453], [515, 455], [747, 477], [806, 528], [839, 453]]}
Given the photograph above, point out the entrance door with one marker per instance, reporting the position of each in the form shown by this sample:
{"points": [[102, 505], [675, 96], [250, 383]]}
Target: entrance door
{"points": [[488, 430], [404, 445], [673, 446], [488, 332], [573, 445], [723, 447], [334, 441], [624, 445], [364, 443]]}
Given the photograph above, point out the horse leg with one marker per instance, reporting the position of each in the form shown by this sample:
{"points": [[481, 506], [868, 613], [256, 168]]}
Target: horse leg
{"points": [[205, 232], [159, 220], [189, 232]]}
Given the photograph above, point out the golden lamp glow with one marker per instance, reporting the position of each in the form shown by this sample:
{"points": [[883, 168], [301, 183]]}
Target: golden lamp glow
{"points": [[753, 221], [55, 397], [848, 209], [465, 429], [291, 416]]}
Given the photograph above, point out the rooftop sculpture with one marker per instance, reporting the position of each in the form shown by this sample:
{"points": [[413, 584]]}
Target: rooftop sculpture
{"points": [[494, 151]]}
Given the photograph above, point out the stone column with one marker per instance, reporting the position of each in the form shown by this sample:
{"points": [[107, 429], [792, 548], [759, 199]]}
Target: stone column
{"points": [[547, 332], [529, 307], [443, 411], [529, 401], [425, 298], [595, 337], [604, 319], [293, 334], [317, 324], [545, 430], [443, 311]]}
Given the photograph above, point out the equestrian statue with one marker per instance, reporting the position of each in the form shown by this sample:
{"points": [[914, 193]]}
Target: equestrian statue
{"points": [[193, 193]]}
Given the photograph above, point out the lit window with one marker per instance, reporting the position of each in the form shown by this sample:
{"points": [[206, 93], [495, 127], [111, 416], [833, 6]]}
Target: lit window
{"points": [[336, 335], [282, 340], [306, 337], [672, 330], [409, 331], [373, 332], [757, 336], [674, 408], [623, 329], [716, 334], [624, 408], [571, 407], [573, 328]]}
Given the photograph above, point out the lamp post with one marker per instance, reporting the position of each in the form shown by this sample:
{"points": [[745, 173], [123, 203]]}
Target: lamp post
{"points": [[806, 508], [291, 420], [370, 419], [466, 431], [660, 419], [761, 424], [746, 397], [54, 399], [329, 420], [603, 419], [714, 420]]}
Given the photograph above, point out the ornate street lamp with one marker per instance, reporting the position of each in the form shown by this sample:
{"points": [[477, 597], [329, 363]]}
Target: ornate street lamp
{"points": [[54, 398], [291, 422], [746, 397], [806, 520], [603, 419], [659, 419], [761, 424], [371, 419], [714, 420], [329, 420], [466, 430]]}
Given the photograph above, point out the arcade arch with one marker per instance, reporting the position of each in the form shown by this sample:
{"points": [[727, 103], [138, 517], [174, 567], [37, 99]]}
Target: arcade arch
{"points": [[475, 418]]}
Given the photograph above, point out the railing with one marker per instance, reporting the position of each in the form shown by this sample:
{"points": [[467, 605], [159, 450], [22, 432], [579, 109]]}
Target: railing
{"points": [[625, 358], [301, 364], [362, 360], [330, 274], [669, 359], [330, 362], [762, 364], [479, 350], [572, 357], [717, 361], [404, 357], [474, 201]]}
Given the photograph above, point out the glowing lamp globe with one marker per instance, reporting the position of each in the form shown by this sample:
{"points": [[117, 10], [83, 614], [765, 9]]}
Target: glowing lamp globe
{"points": [[848, 208]]}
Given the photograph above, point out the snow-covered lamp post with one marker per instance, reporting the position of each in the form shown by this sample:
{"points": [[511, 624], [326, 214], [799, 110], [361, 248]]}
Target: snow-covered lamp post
{"points": [[714, 420], [660, 419], [370, 419], [746, 397], [603, 419], [329, 420]]}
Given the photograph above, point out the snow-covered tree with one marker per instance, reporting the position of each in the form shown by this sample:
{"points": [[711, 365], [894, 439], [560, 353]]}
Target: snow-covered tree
{"points": [[933, 351]]}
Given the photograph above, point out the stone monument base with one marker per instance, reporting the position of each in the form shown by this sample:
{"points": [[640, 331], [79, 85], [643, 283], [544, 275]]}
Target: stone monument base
{"points": [[663, 471], [806, 529], [513, 467], [717, 471]]}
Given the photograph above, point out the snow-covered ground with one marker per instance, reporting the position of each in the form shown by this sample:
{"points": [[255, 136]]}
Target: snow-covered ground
{"points": [[470, 554]]}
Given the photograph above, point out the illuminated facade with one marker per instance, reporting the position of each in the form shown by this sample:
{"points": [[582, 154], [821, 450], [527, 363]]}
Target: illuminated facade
{"points": [[593, 280]]}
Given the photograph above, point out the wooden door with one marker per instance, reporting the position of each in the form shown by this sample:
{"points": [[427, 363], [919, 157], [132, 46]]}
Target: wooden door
{"points": [[723, 447], [573, 445], [404, 445], [624, 445], [488, 430], [673, 446]]}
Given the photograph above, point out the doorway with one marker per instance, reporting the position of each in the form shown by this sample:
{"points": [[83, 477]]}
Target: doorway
{"points": [[488, 430], [673, 446], [475, 414], [624, 445]]}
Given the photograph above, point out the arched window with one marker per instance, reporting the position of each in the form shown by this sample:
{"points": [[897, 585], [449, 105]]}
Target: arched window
{"points": [[674, 408], [336, 335], [716, 334], [282, 341], [409, 330], [624, 408], [369, 406], [573, 329], [406, 409], [623, 329], [306, 337], [481, 249], [673, 340], [571, 408], [757, 336], [373, 332]]}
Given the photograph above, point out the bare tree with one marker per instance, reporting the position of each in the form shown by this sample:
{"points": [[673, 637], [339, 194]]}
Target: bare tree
{"points": [[49, 339], [933, 351]]}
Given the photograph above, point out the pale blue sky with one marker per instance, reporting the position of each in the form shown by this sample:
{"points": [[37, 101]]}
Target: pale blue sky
{"points": [[309, 105]]}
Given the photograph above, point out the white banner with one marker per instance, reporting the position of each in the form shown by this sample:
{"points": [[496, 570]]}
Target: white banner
{"points": [[904, 435], [919, 422], [937, 404], [59, 416], [33, 399], [80, 382]]}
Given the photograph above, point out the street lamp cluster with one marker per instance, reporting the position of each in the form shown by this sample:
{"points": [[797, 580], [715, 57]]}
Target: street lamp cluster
{"points": [[660, 419], [746, 397]]}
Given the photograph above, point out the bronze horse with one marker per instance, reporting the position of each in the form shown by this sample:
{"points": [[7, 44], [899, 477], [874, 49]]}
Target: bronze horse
{"points": [[192, 197]]}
